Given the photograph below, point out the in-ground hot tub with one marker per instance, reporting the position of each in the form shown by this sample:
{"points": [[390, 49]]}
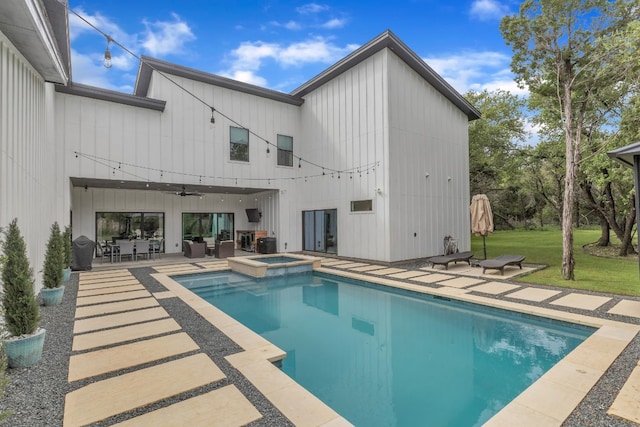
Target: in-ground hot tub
{"points": [[273, 265]]}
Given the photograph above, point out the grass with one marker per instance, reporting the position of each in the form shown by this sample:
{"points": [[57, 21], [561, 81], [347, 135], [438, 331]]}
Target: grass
{"points": [[593, 273]]}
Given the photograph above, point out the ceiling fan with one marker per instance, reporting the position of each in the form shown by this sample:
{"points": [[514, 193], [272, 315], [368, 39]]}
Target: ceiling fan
{"points": [[183, 192]]}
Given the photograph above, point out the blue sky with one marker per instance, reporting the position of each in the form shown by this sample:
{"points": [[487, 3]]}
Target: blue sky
{"points": [[282, 44]]}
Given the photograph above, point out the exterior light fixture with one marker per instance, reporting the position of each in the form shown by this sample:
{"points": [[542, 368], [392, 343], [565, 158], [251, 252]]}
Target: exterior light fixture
{"points": [[213, 119], [107, 54]]}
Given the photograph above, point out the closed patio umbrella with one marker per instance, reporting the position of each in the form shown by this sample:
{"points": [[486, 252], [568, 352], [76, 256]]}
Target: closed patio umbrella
{"points": [[481, 218]]}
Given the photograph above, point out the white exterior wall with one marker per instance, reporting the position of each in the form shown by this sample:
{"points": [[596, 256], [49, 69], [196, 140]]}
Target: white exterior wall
{"points": [[344, 125], [177, 146], [31, 184], [427, 134]]}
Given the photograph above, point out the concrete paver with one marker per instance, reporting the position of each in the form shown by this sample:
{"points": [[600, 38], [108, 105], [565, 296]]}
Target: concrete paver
{"points": [[494, 288], [123, 334], [533, 294], [224, 407], [120, 319], [106, 398], [583, 301], [115, 307], [626, 405], [626, 308], [124, 356]]}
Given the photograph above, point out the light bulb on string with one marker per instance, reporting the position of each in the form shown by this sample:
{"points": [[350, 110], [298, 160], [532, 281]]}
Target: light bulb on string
{"points": [[212, 122], [107, 54]]}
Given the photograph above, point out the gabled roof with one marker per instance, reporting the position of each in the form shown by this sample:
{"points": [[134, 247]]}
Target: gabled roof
{"points": [[384, 40], [148, 65], [389, 40]]}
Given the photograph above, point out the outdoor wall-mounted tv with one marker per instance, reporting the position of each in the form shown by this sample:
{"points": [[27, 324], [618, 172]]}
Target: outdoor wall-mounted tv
{"points": [[253, 215]]}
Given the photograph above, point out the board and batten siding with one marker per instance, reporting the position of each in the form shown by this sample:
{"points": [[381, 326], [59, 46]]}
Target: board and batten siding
{"points": [[344, 127], [31, 186], [427, 135], [177, 146]]}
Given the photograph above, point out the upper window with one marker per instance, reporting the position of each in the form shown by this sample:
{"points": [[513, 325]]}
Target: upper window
{"points": [[239, 148], [285, 150], [361, 205]]}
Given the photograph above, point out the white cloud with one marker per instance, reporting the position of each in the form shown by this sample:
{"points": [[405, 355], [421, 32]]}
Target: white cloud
{"points": [[250, 57], [163, 37], [334, 23], [311, 8], [476, 71], [486, 10]]}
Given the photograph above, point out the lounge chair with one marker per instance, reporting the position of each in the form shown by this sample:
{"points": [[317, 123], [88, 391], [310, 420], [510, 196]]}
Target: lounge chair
{"points": [[446, 259], [499, 263]]}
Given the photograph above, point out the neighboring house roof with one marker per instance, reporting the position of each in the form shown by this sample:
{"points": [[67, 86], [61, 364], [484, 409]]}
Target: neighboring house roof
{"points": [[385, 40], [111, 96], [148, 64], [35, 29], [389, 40]]}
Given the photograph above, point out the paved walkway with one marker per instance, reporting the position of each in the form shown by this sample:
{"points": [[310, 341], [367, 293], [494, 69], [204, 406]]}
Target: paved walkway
{"points": [[139, 355]]}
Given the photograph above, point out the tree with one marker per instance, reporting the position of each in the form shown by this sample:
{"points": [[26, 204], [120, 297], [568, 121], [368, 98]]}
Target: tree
{"points": [[53, 259], [563, 53], [492, 141], [21, 311]]}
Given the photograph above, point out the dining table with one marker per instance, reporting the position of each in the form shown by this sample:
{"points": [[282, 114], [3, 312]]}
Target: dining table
{"points": [[154, 248]]}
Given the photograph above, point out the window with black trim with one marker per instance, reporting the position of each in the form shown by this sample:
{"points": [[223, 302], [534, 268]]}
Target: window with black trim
{"points": [[285, 150], [362, 205], [239, 148]]}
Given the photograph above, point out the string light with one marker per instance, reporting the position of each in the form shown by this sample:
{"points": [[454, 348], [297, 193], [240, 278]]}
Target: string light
{"points": [[125, 169], [107, 54], [107, 63], [213, 119]]}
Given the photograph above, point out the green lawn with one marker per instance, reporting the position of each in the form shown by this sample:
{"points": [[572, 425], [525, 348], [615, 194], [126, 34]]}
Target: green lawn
{"points": [[620, 276]]}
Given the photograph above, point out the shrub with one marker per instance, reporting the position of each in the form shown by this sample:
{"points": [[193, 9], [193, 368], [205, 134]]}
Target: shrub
{"points": [[21, 311], [66, 244], [53, 259]]}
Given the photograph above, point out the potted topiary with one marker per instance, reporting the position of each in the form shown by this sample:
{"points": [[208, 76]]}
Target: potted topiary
{"points": [[68, 259], [21, 311], [52, 271]]}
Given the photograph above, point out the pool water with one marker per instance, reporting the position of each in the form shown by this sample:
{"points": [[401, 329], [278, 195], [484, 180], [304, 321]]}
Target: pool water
{"points": [[382, 357]]}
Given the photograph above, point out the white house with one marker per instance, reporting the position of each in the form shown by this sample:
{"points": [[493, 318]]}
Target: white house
{"points": [[367, 160]]}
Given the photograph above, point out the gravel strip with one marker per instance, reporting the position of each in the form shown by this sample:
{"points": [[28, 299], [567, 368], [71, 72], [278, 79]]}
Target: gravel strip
{"points": [[36, 395]]}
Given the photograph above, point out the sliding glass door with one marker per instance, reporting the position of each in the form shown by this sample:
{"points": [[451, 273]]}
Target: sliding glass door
{"points": [[111, 226], [320, 230]]}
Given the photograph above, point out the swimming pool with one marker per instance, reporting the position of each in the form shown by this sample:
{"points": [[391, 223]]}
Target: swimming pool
{"points": [[392, 358]]}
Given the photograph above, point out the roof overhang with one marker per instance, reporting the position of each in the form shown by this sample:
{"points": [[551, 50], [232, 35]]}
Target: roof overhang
{"points": [[388, 40], [120, 184], [36, 30], [111, 96], [625, 154], [148, 65]]}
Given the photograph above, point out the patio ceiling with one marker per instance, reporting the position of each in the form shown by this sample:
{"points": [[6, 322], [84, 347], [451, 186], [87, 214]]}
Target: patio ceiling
{"points": [[162, 186]]}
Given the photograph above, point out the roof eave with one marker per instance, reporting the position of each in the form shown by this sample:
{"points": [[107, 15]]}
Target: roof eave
{"points": [[112, 96], [148, 65]]}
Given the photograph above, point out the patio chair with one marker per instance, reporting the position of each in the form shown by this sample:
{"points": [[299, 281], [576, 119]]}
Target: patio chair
{"points": [[499, 263], [103, 250], [126, 248], [446, 259], [142, 248]]}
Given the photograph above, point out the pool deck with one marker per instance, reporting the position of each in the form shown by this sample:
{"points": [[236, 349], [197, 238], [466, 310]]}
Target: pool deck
{"points": [[129, 353]]}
